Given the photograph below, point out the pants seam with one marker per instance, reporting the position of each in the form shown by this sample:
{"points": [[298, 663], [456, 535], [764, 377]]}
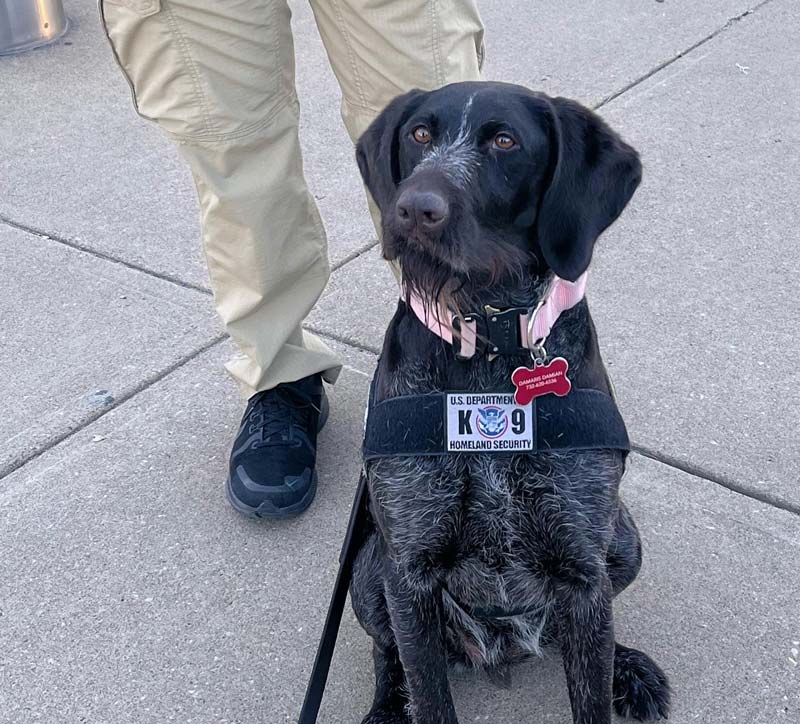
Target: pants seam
{"points": [[350, 55], [185, 51], [362, 107], [436, 44], [283, 81]]}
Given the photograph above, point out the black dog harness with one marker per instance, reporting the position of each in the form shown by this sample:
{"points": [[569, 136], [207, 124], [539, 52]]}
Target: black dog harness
{"points": [[584, 419], [416, 425]]}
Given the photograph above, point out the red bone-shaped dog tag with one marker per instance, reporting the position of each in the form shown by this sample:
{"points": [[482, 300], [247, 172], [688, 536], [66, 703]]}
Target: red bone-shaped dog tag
{"points": [[541, 380]]}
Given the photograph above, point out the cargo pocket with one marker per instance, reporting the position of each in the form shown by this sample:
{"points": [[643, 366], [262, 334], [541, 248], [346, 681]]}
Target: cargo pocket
{"points": [[153, 56], [204, 70]]}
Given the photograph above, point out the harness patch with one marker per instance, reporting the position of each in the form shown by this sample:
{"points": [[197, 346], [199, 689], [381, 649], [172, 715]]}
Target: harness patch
{"points": [[442, 423], [488, 421]]}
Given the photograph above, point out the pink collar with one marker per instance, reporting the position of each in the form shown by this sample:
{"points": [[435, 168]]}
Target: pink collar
{"points": [[534, 325]]}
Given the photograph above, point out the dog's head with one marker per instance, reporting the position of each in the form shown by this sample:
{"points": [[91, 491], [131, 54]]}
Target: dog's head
{"points": [[480, 181]]}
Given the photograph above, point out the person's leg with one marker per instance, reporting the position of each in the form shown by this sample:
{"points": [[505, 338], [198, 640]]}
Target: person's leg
{"points": [[379, 49], [218, 77]]}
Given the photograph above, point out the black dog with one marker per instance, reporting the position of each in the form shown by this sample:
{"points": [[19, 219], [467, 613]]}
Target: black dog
{"points": [[487, 192]]}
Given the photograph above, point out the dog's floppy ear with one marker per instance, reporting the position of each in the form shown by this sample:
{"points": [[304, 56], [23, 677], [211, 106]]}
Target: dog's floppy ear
{"points": [[593, 176], [377, 151]]}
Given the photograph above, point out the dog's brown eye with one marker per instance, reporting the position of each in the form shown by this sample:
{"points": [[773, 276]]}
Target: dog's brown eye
{"points": [[504, 141], [421, 134]]}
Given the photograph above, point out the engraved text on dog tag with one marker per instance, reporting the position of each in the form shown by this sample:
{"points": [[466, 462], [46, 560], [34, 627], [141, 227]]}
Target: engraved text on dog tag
{"points": [[543, 379]]}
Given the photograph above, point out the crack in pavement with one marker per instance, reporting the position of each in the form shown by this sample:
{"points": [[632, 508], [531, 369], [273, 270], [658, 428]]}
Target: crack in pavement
{"points": [[147, 382], [163, 276], [723, 481], [77, 246], [343, 339], [354, 255], [682, 54]]}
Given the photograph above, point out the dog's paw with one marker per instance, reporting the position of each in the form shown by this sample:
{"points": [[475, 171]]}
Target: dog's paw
{"points": [[641, 688]]}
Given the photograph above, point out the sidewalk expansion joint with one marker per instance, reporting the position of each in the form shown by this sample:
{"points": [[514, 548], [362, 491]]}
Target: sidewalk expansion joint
{"points": [[163, 276], [77, 246], [342, 339], [641, 79], [354, 255], [122, 399], [149, 382], [721, 480]]}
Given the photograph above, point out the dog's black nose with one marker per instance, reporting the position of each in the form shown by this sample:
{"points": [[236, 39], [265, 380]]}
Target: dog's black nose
{"points": [[426, 210]]}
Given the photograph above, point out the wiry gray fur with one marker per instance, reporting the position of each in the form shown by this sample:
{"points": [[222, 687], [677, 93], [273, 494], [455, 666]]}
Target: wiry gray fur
{"points": [[456, 158], [479, 560]]}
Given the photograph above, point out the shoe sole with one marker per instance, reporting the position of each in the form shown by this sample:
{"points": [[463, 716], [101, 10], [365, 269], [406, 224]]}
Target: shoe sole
{"points": [[267, 509]]}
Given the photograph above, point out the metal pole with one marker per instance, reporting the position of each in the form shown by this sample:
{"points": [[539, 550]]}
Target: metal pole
{"points": [[27, 24]]}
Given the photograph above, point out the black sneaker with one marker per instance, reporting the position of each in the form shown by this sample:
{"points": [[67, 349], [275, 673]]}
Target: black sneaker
{"points": [[271, 471]]}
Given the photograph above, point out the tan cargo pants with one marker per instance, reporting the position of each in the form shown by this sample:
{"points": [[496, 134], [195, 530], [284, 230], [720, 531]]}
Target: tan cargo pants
{"points": [[218, 77]]}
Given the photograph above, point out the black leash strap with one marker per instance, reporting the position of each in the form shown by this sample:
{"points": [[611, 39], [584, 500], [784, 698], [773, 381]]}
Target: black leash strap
{"points": [[327, 644]]}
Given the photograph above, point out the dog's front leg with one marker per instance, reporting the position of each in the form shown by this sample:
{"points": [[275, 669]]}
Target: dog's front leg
{"points": [[418, 624], [586, 633]]}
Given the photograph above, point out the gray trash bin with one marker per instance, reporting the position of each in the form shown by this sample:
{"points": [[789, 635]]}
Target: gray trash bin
{"points": [[26, 24]]}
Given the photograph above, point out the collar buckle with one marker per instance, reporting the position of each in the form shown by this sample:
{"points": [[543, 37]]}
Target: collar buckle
{"points": [[503, 330]]}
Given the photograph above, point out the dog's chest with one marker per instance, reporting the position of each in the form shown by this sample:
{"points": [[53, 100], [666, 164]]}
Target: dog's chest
{"points": [[473, 526], [473, 523]]}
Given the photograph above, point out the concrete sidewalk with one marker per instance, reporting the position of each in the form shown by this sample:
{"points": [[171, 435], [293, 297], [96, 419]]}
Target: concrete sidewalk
{"points": [[131, 593]]}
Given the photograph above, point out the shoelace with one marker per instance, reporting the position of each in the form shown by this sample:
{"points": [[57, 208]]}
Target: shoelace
{"points": [[276, 414]]}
